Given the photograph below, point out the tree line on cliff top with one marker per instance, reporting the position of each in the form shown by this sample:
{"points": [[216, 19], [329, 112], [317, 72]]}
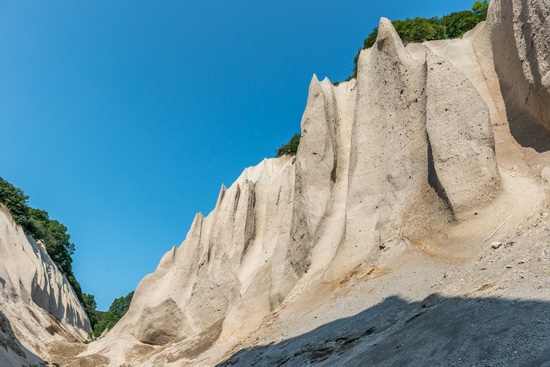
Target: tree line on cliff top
{"points": [[57, 241], [38, 224], [417, 29], [104, 321]]}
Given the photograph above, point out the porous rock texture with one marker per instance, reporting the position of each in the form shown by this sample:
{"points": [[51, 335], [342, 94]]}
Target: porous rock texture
{"points": [[461, 142], [520, 33], [37, 304], [405, 231], [316, 173], [388, 149]]}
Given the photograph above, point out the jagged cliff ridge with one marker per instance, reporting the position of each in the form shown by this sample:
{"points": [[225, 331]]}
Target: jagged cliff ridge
{"points": [[37, 304], [405, 178]]}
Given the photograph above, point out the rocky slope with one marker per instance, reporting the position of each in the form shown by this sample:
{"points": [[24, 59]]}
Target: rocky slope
{"points": [[410, 228], [37, 304]]}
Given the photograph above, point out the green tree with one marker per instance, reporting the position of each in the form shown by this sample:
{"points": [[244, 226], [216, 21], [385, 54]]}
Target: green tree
{"points": [[371, 38], [290, 148], [90, 306], [419, 29], [456, 24], [118, 308], [480, 9], [16, 202]]}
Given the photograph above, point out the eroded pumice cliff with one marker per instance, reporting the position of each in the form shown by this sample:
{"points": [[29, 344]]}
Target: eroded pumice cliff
{"points": [[37, 304], [410, 222]]}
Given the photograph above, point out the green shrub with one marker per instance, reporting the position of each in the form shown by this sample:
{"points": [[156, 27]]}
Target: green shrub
{"points": [[419, 29], [290, 148], [456, 24]]}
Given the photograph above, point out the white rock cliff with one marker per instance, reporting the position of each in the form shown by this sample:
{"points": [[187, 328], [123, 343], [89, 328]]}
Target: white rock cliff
{"points": [[416, 190], [37, 304]]}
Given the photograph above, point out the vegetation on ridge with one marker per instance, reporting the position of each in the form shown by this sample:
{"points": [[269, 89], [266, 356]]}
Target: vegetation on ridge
{"points": [[418, 29], [102, 321], [289, 148], [38, 224]]}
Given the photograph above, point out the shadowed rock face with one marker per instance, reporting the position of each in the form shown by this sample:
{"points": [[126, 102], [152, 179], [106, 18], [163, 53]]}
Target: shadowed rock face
{"points": [[8, 341], [12, 353], [30, 276], [520, 33]]}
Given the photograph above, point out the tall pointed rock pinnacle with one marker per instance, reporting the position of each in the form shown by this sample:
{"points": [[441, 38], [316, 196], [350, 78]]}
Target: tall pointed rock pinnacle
{"points": [[388, 162], [315, 170]]}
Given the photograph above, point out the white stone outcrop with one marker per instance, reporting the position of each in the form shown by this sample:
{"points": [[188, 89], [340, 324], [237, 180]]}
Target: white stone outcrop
{"points": [[316, 167], [35, 297], [360, 183], [388, 164], [404, 151], [461, 141], [231, 270], [394, 168]]}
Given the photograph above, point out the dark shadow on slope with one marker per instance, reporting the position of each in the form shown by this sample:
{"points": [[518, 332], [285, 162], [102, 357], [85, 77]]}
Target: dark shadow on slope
{"points": [[434, 182], [11, 350], [438, 331], [527, 131]]}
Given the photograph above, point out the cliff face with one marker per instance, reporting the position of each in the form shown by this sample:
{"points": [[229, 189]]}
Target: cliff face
{"points": [[231, 269], [37, 304], [402, 175], [520, 33]]}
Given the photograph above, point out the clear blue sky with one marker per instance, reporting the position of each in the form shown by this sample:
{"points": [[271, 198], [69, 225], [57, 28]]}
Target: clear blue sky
{"points": [[123, 118]]}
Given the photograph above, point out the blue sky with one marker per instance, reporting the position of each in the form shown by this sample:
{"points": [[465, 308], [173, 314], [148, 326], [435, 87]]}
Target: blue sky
{"points": [[123, 118]]}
